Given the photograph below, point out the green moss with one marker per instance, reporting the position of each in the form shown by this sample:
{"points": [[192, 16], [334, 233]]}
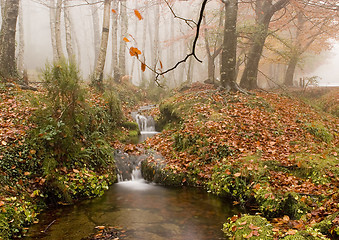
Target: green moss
{"points": [[133, 133], [156, 173], [319, 131], [308, 234], [131, 125], [248, 227], [320, 168], [327, 226]]}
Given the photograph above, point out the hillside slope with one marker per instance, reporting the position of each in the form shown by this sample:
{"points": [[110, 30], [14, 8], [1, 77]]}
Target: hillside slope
{"points": [[265, 150]]}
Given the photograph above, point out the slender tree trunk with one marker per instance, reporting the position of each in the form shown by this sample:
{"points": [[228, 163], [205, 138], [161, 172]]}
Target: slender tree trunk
{"points": [[135, 34], [21, 42], [68, 30], [96, 30], [144, 40], [229, 48], [115, 66], [124, 29], [58, 29], [8, 65], [100, 64], [52, 26], [156, 40]]}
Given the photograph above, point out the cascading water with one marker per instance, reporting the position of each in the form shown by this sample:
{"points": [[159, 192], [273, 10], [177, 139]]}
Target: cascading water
{"points": [[128, 165]]}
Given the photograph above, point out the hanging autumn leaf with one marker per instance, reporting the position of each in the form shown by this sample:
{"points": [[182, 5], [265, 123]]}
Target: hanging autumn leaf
{"points": [[137, 13], [126, 39], [134, 52], [143, 67], [113, 11], [161, 66]]}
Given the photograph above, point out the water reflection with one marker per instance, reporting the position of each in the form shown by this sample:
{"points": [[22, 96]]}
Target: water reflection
{"points": [[145, 211]]}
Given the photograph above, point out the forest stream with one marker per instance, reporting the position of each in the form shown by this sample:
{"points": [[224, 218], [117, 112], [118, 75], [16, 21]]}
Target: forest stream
{"points": [[142, 210]]}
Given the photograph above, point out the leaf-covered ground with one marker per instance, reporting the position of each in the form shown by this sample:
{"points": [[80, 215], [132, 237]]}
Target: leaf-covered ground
{"points": [[264, 147]]}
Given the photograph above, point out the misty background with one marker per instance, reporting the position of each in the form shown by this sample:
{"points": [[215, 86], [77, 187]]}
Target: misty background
{"points": [[175, 38]]}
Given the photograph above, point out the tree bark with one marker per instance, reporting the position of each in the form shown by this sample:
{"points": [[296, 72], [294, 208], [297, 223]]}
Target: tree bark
{"points": [[52, 26], [68, 30], [100, 64], [264, 12], [292, 65], [96, 31], [229, 47], [115, 68], [21, 42], [124, 29], [8, 65], [58, 43]]}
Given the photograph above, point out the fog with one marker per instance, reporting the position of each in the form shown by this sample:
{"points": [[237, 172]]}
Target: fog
{"points": [[329, 70], [175, 38]]}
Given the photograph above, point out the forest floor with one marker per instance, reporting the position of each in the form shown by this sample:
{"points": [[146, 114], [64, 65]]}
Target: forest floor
{"points": [[270, 152], [266, 150]]}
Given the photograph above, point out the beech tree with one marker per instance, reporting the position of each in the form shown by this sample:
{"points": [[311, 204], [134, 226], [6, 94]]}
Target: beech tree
{"points": [[8, 64], [264, 9], [100, 64]]}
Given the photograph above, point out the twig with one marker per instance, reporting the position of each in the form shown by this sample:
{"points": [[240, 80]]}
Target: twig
{"points": [[49, 225]]}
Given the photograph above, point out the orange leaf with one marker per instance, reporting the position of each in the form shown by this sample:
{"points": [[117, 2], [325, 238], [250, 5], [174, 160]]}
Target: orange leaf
{"points": [[113, 11], [137, 13], [126, 39], [134, 51], [161, 66], [143, 67]]}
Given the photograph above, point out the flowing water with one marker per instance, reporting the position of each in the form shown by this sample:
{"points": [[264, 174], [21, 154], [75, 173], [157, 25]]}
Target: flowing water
{"points": [[144, 210]]}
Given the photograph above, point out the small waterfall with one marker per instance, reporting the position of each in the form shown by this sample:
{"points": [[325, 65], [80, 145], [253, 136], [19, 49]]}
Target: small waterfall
{"points": [[145, 123], [128, 166]]}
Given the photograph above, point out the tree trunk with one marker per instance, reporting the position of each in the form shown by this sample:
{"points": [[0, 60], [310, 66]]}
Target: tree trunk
{"points": [[100, 64], [264, 12], [8, 65], [68, 30], [144, 40], [292, 65], [21, 42], [52, 26], [115, 68], [229, 48], [96, 31], [59, 49], [124, 29]]}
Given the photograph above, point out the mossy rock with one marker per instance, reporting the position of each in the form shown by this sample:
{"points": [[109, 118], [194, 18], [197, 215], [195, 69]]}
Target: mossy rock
{"points": [[249, 227], [131, 125], [154, 172], [326, 225], [133, 133]]}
